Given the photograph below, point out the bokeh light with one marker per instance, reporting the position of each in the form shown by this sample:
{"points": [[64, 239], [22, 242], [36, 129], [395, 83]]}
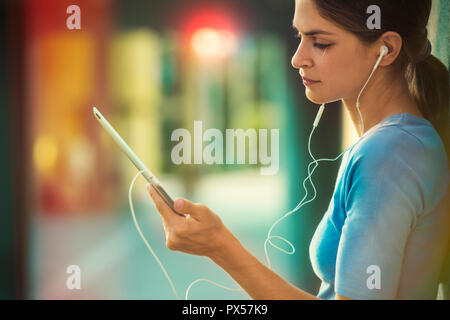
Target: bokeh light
{"points": [[45, 153], [209, 42]]}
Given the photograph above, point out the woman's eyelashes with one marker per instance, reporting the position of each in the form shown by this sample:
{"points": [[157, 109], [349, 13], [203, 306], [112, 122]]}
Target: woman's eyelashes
{"points": [[320, 46]]}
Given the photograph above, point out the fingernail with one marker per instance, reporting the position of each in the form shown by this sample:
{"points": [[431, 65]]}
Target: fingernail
{"points": [[179, 204]]}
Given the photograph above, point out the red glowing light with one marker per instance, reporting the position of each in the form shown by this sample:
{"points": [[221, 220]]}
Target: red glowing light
{"points": [[209, 42], [212, 19], [210, 32]]}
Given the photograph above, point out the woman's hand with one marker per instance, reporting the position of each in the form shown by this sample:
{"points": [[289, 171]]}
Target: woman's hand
{"points": [[200, 233], [203, 233]]}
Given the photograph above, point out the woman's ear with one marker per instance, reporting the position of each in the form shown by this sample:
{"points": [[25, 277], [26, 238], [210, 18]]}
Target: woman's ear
{"points": [[393, 41]]}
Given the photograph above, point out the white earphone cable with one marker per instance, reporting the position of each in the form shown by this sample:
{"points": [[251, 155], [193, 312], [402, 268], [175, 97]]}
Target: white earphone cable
{"points": [[382, 53], [267, 241]]}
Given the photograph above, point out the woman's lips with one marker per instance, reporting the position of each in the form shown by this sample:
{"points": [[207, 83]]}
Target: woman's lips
{"points": [[309, 82]]}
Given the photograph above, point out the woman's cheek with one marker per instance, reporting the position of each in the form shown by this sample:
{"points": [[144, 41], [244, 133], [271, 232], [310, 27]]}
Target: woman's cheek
{"points": [[337, 81], [331, 75]]}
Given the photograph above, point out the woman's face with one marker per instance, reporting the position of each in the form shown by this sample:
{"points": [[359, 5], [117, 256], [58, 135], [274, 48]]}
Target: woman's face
{"points": [[328, 54]]}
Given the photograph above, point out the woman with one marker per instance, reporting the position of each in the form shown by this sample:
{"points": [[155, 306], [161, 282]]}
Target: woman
{"points": [[387, 216]]}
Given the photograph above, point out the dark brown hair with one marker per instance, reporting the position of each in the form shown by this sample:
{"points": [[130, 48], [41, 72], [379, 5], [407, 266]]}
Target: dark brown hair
{"points": [[427, 79]]}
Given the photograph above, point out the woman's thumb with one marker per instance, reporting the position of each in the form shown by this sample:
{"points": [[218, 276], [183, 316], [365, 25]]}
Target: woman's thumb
{"points": [[185, 206], [182, 205]]}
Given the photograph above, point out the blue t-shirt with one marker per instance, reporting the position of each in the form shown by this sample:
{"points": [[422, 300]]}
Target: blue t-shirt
{"points": [[385, 232]]}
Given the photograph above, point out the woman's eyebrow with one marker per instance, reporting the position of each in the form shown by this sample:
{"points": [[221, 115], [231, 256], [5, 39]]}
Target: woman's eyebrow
{"points": [[313, 32]]}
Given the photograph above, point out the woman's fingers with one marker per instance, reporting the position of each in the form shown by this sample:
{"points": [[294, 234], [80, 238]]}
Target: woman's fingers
{"points": [[197, 233], [162, 207]]}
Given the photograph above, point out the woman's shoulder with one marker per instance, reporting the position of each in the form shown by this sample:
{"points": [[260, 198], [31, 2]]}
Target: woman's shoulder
{"points": [[403, 150], [411, 158], [412, 139]]}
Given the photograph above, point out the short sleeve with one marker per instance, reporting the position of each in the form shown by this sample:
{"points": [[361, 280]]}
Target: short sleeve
{"points": [[382, 199]]}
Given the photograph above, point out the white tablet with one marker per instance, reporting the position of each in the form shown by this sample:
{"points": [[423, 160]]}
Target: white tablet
{"points": [[148, 175]]}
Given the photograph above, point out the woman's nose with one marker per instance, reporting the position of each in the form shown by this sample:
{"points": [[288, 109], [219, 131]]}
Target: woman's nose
{"points": [[299, 60]]}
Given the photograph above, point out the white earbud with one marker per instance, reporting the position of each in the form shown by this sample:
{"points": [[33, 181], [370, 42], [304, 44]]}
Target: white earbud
{"points": [[384, 50]]}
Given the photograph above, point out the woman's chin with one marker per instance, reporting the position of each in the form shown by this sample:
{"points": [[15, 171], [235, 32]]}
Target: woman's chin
{"points": [[314, 98]]}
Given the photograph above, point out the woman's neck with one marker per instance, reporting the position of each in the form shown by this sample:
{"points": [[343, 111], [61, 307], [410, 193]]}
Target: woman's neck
{"points": [[378, 101]]}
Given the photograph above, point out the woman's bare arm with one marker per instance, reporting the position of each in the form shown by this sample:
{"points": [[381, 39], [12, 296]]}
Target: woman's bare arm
{"points": [[203, 233], [254, 277]]}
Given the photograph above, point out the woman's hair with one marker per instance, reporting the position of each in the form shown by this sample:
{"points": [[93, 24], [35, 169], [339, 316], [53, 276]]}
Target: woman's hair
{"points": [[427, 78]]}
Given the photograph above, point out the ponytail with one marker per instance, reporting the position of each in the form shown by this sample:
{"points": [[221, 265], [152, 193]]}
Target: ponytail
{"points": [[428, 83]]}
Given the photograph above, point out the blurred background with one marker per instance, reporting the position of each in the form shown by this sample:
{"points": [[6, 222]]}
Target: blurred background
{"points": [[151, 67]]}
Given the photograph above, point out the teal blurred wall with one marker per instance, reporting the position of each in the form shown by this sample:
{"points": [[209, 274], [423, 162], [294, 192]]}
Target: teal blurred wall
{"points": [[438, 28]]}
